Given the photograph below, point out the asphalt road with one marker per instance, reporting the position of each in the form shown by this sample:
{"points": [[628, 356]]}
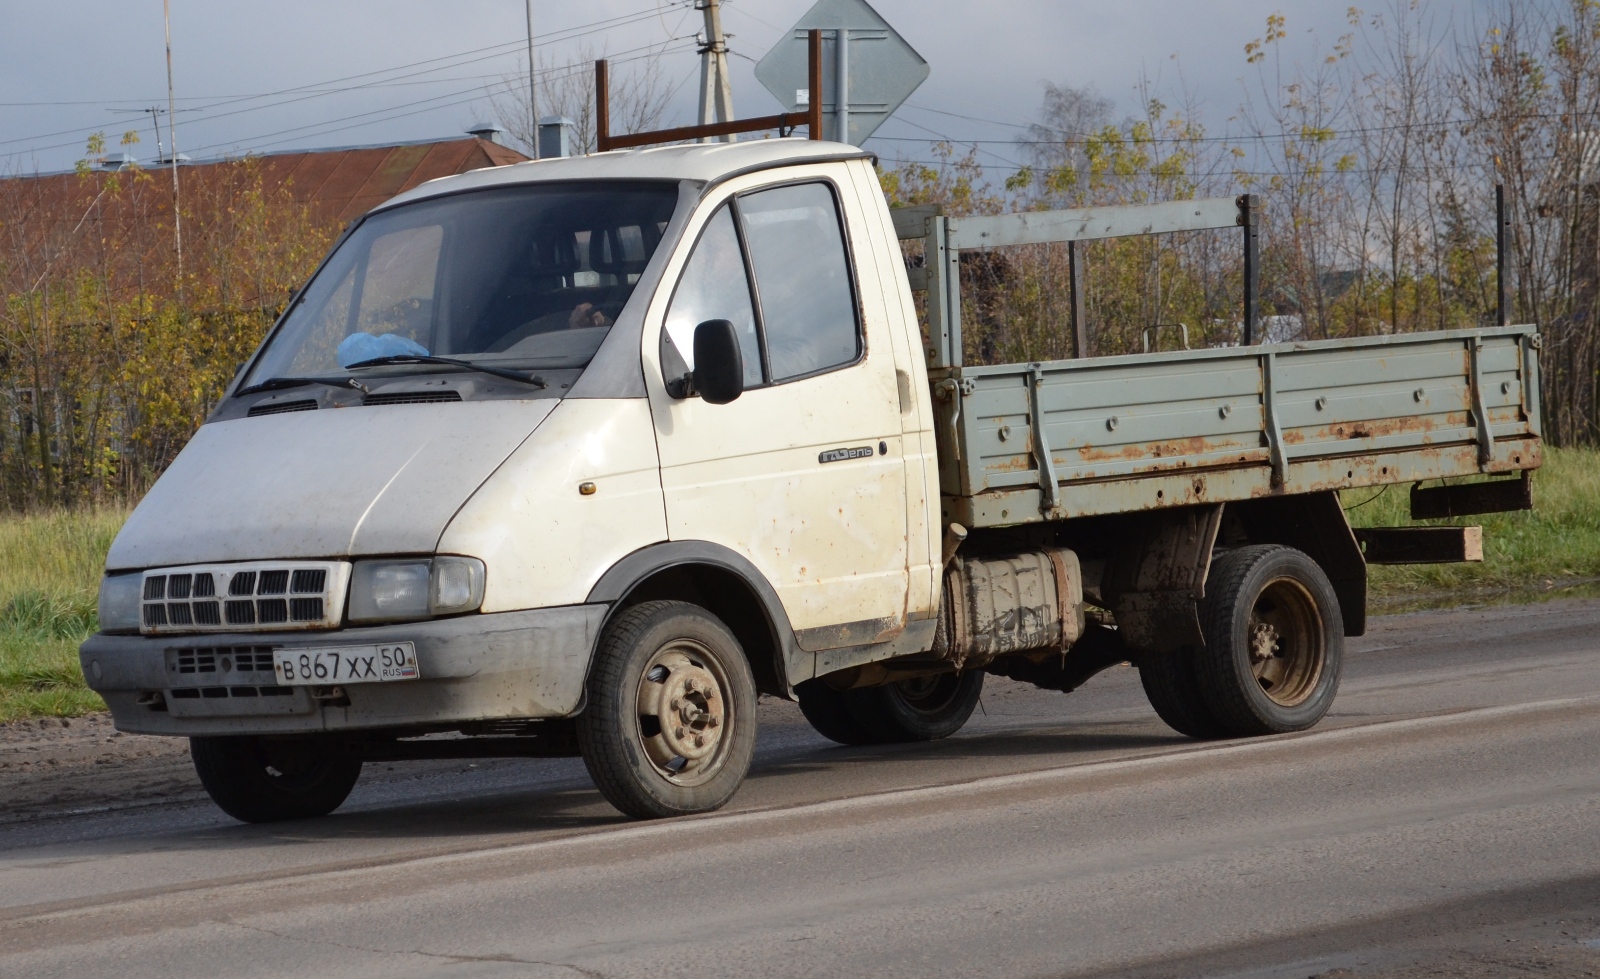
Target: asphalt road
{"points": [[1443, 820]]}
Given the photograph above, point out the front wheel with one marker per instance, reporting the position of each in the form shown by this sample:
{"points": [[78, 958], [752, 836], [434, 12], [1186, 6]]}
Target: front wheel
{"points": [[260, 780], [671, 723], [1274, 648]]}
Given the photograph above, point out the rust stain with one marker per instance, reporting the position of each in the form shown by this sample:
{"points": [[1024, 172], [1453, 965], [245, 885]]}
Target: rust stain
{"points": [[1197, 445]]}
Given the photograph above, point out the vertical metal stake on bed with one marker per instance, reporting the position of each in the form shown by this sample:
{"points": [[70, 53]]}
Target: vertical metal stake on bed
{"points": [[1049, 488], [1502, 311], [1250, 220], [1080, 324], [1480, 413]]}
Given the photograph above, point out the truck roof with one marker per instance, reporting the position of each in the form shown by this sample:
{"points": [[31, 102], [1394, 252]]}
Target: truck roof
{"points": [[705, 162]]}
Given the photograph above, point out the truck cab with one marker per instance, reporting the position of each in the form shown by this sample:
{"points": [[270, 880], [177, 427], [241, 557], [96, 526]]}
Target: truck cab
{"points": [[475, 440]]}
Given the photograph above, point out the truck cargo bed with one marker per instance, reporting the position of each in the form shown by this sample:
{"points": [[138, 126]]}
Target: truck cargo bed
{"points": [[1020, 443]]}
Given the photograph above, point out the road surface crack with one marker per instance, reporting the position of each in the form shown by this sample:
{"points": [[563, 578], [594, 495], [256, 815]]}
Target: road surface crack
{"points": [[443, 956]]}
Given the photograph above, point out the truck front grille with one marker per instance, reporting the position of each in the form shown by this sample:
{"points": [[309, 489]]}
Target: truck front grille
{"points": [[254, 597]]}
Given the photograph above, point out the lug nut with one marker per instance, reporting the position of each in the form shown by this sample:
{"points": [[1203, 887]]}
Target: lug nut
{"points": [[699, 742], [688, 686], [676, 703], [680, 732], [712, 722]]}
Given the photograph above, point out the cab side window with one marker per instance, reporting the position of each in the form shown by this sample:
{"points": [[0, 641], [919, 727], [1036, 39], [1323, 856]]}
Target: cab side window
{"points": [[802, 270], [799, 317], [714, 286]]}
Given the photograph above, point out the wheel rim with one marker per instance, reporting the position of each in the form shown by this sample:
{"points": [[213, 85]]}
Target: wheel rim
{"points": [[928, 694], [684, 713], [1286, 642]]}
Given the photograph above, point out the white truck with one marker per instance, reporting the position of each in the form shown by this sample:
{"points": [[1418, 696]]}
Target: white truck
{"points": [[580, 456]]}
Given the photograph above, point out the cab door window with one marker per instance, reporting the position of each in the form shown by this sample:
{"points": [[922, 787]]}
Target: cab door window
{"points": [[715, 286], [802, 272]]}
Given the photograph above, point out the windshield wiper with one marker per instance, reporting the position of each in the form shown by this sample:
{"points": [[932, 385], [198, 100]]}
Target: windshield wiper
{"points": [[511, 375], [276, 383]]}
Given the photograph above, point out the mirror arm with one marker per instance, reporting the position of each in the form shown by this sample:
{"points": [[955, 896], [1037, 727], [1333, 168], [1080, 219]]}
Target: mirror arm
{"points": [[682, 387]]}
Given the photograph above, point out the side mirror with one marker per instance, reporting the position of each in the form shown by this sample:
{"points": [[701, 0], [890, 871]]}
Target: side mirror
{"points": [[718, 362]]}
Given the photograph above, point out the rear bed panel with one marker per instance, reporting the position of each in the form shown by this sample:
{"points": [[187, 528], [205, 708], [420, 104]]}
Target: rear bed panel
{"points": [[1131, 433]]}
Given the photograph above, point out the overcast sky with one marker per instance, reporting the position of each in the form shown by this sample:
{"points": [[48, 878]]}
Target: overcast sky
{"points": [[66, 64]]}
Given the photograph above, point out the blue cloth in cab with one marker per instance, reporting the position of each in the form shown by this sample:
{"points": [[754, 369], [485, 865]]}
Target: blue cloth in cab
{"points": [[358, 347]]}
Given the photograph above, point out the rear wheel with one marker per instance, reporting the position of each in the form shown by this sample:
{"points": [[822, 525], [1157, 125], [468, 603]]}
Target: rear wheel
{"points": [[671, 722], [1274, 641], [258, 780], [828, 713], [920, 709], [1173, 688]]}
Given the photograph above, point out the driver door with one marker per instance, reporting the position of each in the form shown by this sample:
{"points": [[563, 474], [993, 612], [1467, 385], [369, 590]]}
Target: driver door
{"points": [[803, 474]]}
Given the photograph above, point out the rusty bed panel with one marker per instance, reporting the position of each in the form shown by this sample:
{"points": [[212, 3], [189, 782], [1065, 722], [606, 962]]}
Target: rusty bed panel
{"points": [[1147, 431]]}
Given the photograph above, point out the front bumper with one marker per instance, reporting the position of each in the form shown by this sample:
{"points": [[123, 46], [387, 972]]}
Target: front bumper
{"points": [[501, 665]]}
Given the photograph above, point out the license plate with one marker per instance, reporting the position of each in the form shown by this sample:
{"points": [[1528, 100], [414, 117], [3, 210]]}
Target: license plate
{"points": [[346, 664]]}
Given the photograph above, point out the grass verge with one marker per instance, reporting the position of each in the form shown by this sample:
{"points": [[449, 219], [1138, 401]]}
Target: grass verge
{"points": [[50, 568], [1555, 544]]}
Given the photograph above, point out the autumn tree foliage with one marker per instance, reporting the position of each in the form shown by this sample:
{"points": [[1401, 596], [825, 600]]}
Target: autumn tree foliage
{"points": [[110, 355], [1376, 160]]}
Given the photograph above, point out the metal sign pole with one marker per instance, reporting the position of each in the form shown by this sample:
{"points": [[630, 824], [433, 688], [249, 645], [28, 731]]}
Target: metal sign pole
{"points": [[841, 93]]}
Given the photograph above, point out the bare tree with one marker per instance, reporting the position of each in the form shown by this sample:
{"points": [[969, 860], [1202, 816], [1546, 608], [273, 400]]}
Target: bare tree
{"points": [[640, 95]]}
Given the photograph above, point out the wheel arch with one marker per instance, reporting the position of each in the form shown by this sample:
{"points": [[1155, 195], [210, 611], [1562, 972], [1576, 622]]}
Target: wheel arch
{"points": [[724, 583], [1157, 576], [1314, 523]]}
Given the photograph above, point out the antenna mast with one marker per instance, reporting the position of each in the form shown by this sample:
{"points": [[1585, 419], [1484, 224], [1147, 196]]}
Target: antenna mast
{"points": [[172, 142]]}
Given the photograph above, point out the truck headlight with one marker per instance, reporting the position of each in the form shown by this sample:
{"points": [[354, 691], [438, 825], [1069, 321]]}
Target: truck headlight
{"points": [[119, 602], [414, 588]]}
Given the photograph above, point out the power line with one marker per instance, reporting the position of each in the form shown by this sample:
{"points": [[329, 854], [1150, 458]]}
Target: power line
{"points": [[395, 111], [314, 89]]}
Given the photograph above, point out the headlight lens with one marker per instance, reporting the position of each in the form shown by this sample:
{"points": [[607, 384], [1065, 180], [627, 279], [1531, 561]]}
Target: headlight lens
{"points": [[411, 589], [457, 585], [119, 602]]}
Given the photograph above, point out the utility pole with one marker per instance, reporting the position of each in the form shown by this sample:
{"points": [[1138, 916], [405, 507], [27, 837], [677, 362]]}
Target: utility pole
{"points": [[533, 102], [172, 142], [716, 96]]}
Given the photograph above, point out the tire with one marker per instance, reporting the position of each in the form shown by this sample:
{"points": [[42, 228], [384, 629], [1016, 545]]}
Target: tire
{"points": [[921, 709], [256, 780], [827, 713], [1173, 689], [671, 722], [1274, 648]]}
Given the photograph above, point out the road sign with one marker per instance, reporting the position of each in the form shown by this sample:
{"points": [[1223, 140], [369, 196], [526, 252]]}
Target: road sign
{"points": [[874, 68]]}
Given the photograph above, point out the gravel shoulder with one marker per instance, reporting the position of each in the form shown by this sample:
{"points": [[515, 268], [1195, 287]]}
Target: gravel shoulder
{"points": [[51, 765]]}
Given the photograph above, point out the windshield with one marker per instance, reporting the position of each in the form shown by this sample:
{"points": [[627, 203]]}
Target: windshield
{"points": [[523, 277]]}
